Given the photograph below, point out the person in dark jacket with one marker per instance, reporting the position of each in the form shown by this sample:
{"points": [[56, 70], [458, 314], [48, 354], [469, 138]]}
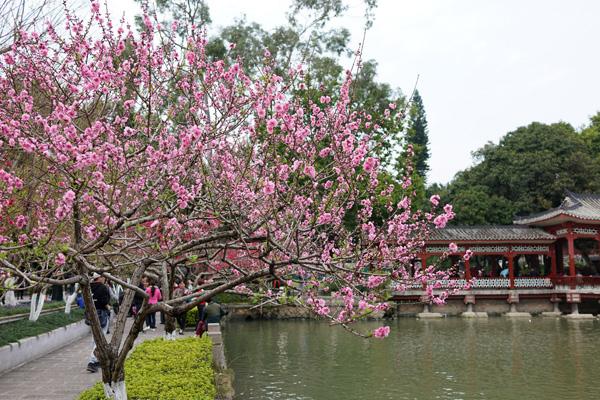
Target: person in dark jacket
{"points": [[101, 297], [213, 312]]}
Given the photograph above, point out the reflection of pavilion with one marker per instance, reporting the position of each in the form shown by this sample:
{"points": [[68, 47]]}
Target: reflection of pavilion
{"points": [[551, 255]]}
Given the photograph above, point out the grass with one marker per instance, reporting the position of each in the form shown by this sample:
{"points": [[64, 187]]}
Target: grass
{"points": [[14, 331], [5, 311]]}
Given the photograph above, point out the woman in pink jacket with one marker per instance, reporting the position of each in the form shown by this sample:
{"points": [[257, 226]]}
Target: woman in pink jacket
{"points": [[155, 297]]}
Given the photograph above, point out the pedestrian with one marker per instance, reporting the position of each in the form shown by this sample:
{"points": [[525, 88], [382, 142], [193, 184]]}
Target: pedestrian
{"points": [[138, 299], [180, 291], [155, 296], [213, 312], [101, 297]]}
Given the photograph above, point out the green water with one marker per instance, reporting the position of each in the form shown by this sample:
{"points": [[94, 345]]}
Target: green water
{"points": [[447, 359]]}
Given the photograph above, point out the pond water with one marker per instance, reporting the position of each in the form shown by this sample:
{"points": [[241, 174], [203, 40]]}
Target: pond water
{"points": [[451, 358]]}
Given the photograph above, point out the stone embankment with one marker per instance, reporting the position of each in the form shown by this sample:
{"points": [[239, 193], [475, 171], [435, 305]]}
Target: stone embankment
{"points": [[512, 306]]}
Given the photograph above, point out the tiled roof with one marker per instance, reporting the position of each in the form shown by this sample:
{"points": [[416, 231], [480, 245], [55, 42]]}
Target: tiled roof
{"points": [[576, 205], [489, 232]]}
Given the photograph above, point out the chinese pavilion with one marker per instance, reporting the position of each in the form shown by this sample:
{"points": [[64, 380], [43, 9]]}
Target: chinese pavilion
{"points": [[551, 255]]}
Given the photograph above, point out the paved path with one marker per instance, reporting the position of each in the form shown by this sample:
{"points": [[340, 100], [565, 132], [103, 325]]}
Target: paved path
{"points": [[60, 375]]}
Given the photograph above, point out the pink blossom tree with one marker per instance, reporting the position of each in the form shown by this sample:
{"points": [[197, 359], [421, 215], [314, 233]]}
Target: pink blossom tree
{"points": [[124, 153]]}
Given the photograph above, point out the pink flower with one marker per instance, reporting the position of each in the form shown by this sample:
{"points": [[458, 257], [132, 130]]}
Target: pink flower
{"points": [[21, 221], [370, 164], [468, 255], [267, 53], [271, 124], [440, 221], [190, 57], [60, 259], [374, 281], [325, 152], [435, 199], [309, 170], [453, 247], [324, 218], [269, 187], [381, 332], [362, 305]]}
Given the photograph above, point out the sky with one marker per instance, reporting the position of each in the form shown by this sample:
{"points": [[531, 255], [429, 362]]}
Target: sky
{"points": [[485, 68]]}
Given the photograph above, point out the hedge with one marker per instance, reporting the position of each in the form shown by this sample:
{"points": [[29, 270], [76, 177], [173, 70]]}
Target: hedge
{"points": [[166, 370], [13, 331], [191, 318], [6, 311]]}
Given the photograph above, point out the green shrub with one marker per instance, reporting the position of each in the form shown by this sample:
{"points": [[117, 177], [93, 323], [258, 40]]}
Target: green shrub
{"points": [[11, 332], [5, 311], [232, 298], [191, 318], [166, 370]]}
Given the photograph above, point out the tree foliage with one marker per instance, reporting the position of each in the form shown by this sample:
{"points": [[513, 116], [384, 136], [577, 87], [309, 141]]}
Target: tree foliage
{"points": [[528, 171]]}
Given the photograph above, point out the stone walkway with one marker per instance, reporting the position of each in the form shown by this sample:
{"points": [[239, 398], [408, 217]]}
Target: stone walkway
{"points": [[60, 375]]}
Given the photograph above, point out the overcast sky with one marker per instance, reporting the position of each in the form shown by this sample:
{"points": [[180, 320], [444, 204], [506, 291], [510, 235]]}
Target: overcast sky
{"points": [[485, 67]]}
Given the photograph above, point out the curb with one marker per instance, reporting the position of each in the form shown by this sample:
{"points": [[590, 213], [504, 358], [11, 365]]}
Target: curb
{"points": [[28, 349]]}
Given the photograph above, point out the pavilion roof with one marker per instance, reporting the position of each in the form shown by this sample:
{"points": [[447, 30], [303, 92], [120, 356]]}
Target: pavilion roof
{"points": [[495, 233], [575, 206]]}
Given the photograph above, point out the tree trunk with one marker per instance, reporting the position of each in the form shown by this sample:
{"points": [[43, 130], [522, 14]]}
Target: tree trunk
{"points": [[37, 304], [115, 390], [113, 378], [9, 298], [170, 328], [70, 299]]}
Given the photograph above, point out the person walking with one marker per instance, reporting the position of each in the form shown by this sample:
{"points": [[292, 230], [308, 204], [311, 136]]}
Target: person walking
{"points": [[180, 291], [101, 297], [155, 296]]}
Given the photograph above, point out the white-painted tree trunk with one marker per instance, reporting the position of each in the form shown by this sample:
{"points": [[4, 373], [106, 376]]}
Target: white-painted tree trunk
{"points": [[37, 303], [171, 335], [32, 306], [9, 298], [70, 299], [115, 390]]}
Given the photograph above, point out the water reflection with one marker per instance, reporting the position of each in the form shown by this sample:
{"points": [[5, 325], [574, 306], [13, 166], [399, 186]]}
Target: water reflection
{"points": [[448, 359]]}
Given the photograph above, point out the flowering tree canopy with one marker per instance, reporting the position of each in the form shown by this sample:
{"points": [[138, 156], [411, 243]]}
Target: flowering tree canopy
{"points": [[124, 152]]}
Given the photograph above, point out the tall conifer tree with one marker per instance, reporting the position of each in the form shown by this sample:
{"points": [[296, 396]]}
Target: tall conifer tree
{"points": [[417, 134]]}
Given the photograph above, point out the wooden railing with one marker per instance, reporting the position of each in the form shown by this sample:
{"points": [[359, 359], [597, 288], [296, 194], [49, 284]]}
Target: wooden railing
{"points": [[544, 282], [577, 281]]}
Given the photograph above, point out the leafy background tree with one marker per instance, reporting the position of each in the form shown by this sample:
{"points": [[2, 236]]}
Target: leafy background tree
{"points": [[306, 36], [528, 171]]}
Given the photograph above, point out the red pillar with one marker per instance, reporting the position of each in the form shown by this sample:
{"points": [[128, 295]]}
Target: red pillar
{"points": [[468, 270], [511, 270], [423, 267], [571, 244], [552, 261], [423, 262]]}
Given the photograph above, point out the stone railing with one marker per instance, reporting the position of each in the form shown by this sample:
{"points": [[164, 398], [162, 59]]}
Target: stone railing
{"points": [[214, 333]]}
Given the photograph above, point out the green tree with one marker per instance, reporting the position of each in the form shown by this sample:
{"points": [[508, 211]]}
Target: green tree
{"points": [[528, 171], [417, 135]]}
